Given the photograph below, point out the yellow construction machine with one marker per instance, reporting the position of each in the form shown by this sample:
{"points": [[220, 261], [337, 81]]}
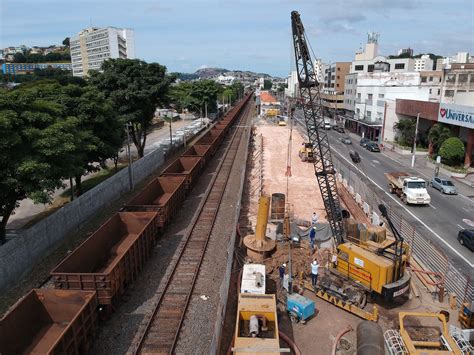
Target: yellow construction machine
{"points": [[424, 334], [256, 328], [306, 152]]}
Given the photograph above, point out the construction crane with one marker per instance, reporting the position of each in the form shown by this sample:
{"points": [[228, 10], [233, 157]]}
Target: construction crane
{"points": [[371, 267], [317, 136]]}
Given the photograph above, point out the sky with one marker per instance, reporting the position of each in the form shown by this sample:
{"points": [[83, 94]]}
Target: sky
{"points": [[254, 35]]}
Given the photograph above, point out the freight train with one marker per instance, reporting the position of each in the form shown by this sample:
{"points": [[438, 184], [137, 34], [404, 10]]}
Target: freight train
{"points": [[94, 276]]}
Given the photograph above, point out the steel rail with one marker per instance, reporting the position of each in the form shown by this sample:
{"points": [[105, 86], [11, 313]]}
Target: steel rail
{"points": [[162, 336]]}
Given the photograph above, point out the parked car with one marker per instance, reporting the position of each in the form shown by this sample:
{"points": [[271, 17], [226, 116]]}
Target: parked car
{"points": [[466, 238], [327, 125], [346, 140], [363, 142], [444, 185], [372, 147]]}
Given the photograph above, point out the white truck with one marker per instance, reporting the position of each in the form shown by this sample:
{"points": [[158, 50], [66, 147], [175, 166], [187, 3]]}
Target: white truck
{"points": [[411, 189]]}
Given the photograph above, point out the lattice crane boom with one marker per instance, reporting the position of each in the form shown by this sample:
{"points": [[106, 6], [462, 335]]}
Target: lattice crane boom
{"points": [[314, 120]]}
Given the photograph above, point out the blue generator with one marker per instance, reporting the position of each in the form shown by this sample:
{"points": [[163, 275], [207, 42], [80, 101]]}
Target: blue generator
{"points": [[299, 308]]}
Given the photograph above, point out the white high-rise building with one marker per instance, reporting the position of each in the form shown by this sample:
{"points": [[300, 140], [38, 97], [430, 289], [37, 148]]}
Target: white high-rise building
{"points": [[92, 46], [319, 68], [424, 63], [292, 84]]}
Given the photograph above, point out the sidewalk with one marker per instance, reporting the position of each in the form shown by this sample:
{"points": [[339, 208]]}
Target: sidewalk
{"points": [[465, 186]]}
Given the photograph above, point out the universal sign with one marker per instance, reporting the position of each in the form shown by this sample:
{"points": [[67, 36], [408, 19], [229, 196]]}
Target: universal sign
{"points": [[456, 115]]}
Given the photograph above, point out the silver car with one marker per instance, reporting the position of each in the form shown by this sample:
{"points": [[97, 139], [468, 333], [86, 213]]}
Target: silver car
{"points": [[444, 185]]}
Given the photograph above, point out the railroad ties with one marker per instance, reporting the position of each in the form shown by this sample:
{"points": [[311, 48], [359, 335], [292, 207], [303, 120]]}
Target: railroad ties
{"points": [[162, 331]]}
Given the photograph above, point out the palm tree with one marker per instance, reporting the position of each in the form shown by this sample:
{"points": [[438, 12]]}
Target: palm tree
{"points": [[406, 131], [437, 135]]}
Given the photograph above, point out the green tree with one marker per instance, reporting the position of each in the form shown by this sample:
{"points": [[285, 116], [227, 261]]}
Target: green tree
{"points": [[405, 131], [195, 95], [19, 58], [36, 148], [100, 132], [452, 151], [437, 135], [267, 84], [136, 88], [66, 42]]}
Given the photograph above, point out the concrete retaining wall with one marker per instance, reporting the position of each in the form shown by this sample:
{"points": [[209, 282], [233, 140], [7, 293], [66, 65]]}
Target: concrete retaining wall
{"points": [[19, 256], [225, 285]]}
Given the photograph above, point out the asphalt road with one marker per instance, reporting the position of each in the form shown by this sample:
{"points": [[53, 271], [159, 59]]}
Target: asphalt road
{"points": [[440, 221]]}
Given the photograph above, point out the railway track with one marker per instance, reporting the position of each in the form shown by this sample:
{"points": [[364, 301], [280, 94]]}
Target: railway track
{"points": [[161, 333]]}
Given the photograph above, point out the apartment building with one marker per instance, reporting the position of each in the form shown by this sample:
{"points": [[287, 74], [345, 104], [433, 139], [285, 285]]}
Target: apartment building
{"points": [[92, 46], [25, 68]]}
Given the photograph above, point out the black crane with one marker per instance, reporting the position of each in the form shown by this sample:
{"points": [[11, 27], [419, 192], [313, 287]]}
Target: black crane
{"points": [[314, 120]]}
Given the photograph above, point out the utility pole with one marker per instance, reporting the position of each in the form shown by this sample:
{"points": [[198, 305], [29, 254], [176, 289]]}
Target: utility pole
{"points": [[171, 133], [414, 140], [130, 175]]}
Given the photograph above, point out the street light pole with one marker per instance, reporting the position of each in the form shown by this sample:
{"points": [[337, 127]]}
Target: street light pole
{"points": [[414, 140], [130, 174]]}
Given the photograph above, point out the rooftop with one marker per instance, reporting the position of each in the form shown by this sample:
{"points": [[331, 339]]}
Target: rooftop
{"points": [[267, 97]]}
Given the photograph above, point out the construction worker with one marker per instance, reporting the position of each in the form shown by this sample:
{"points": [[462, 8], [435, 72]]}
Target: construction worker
{"points": [[281, 271], [334, 259], [314, 219], [312, 235], [314, 273]]}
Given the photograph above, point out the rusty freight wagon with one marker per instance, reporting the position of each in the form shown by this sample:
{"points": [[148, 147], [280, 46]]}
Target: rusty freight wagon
{"points": [[209, 139], [189, 167], [201, 150], [164, 195], [110, 258], [48, 321]]}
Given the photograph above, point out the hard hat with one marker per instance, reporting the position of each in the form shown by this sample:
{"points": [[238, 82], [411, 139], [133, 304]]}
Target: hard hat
{"points": [[314, 262], [314, 227], [284, 265]]}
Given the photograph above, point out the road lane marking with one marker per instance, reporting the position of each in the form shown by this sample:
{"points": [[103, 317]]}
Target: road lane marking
{"points": [[460, 226], [431, 205], [410, 213], [373, 165], [375, 161]]}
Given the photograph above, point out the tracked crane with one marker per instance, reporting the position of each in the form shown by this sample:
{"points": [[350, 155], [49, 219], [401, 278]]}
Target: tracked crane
{"points": [[317, 136], [364, 267]]}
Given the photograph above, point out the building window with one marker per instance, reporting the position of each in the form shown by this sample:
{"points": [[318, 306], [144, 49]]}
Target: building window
{"points": [[338, 69], [359, 95], [370, 96], [423, 79], [472, 78], [431, 91], [449, 93], [439, 91], [462, 78], [399, 66], [370, 68], [369, 114], [431, 78], [359, 67], [332, 85], [451, 78], [338, 77], [381, 96]]}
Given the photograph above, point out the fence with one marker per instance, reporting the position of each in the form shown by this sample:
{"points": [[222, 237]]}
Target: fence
{"points": [[424, 250]]}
